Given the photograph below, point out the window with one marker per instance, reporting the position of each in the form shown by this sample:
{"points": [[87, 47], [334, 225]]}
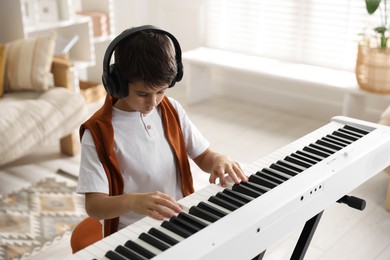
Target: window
{"points": [[316, 32]]}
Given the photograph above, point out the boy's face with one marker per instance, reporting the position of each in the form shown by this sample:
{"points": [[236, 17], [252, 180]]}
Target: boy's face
{"points": [[141, 98]]}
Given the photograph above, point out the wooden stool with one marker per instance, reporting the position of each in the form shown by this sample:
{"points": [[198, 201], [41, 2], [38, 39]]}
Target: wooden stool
{"points": [[86, 233]]}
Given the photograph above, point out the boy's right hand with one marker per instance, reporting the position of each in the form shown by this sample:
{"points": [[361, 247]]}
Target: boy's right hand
{"points": [[156, 205]]}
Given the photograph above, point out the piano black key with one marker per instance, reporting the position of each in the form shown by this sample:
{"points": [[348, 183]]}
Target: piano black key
{"points": [[139, 249], [270, 176], [184, 224], [339, 139], [246, 190], [334, 141], [176, 229], [153, 241], [203, 214], [315, 151], [115, 256], [262, 181], [323, 149], [237, 195], [194, 221], [128, 253], [211, 209], [304, 158], [289, 171], [344, 135], [277, 174], [291, 165], [223, 203], [352, 133], [162, 236], [357, 129], [326, 143], [298, 161], [255, 186], [230, 199], [310, 155]]}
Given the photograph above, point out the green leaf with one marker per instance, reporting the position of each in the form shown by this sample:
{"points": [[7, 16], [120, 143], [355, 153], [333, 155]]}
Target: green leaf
{"points": [[381, 29], [372, 5]]}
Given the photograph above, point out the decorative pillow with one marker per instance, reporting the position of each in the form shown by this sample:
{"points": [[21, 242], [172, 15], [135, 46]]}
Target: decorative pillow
{"points": [[2, 67], [28, 63]]}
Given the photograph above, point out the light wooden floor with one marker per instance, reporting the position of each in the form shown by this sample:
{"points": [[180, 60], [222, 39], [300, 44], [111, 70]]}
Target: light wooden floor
{"points": [[247, 132]]}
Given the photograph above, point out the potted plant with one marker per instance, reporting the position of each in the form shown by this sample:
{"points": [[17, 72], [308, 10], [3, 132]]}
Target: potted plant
{"points": [[373, 61]]}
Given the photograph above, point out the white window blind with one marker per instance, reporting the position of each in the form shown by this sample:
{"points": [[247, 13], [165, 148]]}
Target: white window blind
{"points": [[316, 32]]}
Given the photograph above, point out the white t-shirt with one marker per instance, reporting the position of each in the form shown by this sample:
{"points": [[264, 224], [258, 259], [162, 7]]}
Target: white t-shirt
{"points": [[144, 156]]}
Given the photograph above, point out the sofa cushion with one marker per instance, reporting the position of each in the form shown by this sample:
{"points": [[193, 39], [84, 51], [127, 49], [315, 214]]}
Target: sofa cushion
{"points": [[28, 63], [28, 121], [2, 67]]}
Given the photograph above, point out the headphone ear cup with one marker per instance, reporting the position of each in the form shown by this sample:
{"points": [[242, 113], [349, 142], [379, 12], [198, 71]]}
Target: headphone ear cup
{"points": [[117, 86]]}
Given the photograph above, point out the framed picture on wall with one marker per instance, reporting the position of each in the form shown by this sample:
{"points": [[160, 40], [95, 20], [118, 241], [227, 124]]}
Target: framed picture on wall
{"points": [[47, 10]]}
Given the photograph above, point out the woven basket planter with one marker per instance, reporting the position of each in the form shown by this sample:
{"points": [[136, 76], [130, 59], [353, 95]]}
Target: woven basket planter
{"points": [[373, 69]]}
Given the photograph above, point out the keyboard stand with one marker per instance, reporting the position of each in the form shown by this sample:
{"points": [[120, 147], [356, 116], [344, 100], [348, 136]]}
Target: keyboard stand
{"points": [[311, 226], [305, 237]]}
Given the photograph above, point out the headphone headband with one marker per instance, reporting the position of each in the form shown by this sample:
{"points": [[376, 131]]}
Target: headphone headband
{"points": [[110, 77]]}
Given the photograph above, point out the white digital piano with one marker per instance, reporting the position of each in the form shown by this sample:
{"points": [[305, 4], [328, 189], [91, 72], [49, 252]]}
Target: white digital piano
{"points": [[287, 188]]}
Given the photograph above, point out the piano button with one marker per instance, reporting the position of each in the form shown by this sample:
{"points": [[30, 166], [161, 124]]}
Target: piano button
{"points": [[334, 141], [223, 203], [134, 246], [230, 199], [163, 236], [193, 220], [326, 143], [323, 148], [184, 224], [357, 129], [246, 190], [344, 135], [203, 214], [216, 210], [244, 198], [310, 155], [128, 253], [176, 229], [315, 151], [298, 161], [277, 174], [269, 176], [115, 256], [154, 241]]}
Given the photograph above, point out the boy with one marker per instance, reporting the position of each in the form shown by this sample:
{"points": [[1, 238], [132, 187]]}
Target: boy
{"points": [[135, 149]]}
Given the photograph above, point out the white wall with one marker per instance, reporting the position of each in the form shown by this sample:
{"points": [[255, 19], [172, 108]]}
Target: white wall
{"points": [[186, 20]]}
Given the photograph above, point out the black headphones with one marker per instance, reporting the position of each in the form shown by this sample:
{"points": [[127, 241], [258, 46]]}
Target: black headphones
{"points": [[113, 82]]}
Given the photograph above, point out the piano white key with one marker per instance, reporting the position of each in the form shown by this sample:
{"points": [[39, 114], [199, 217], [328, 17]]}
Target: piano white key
{"points": [[83, 254], [137, 230], [148, 223], [95, 251]]}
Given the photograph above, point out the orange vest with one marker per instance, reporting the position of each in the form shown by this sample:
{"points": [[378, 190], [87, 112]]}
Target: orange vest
{"points": [[100, 126]]}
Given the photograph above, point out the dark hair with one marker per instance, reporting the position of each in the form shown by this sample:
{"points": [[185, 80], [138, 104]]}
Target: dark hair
{"points": [[149, 57]]}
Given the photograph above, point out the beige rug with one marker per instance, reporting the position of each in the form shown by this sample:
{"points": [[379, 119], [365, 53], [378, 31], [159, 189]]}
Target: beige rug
{"points": [[36, 217]]}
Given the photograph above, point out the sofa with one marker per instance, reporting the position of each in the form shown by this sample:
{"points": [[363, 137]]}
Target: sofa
{"points": [[37, 103]]}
